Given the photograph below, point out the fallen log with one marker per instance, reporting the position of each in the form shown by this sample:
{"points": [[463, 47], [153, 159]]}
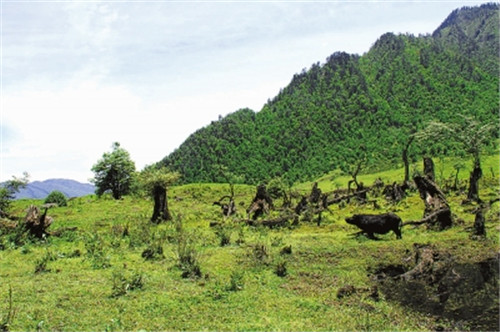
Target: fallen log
{"points": [[442, 217], [271, 223], [346, 197]]}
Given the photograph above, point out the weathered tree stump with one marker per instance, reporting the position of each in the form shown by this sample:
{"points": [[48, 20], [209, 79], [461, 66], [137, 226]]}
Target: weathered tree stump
{"points": [[479, 229], [475, 176], [395, 192], [437, 211], [261, 204], [229, 208], [37, 223], [429, 169]]}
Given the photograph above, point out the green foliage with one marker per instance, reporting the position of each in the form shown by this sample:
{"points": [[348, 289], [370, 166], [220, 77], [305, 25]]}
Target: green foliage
{"points": [[56, 197], [187, 254], [8, 189], [6, 320], [240, 282], [280, 269], [151, 178], [354, 107], [114, 172], [41, 263], [470, 134], [97, 252], [122, 283], [236, 282]]}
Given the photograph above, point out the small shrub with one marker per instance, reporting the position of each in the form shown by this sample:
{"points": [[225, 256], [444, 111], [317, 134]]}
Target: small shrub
{"points": [[186, 253], [18, 236], [56, 197], [123, 284], [281, 270], [154, 251], [6, 320], [96, 252], [224, 235], [287, 250], [261, 254], [41, 263], [241, 236], [236, 282]]}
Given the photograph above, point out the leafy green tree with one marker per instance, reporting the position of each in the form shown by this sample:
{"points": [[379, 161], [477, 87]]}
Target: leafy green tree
{"points": [[8, 191], [156, 182], [471, 136], [114, 172], [56, 197]]}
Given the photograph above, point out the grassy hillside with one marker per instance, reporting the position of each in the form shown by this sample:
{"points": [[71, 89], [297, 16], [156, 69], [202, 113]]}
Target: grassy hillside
{"points": [[305, 277], [354, 107]]}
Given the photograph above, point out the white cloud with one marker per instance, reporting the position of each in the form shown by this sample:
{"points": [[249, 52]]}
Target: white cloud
{"points": [[78, 76]]}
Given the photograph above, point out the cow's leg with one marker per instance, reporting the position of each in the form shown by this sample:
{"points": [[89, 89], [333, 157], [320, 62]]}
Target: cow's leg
{"points": [[371, 236], [398, 232]]}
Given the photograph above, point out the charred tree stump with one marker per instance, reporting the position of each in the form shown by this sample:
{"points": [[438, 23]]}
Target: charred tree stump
{"points": [[36, 224], [429, 262], [313, 204], [160, 209], [479, 229], [437, 211], [406, 160], [429, 169], [229, 208], [475, 176], [261, 204], [395, 192]]}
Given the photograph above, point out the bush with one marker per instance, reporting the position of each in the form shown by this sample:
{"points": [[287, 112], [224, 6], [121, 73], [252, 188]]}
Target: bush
{"points": [[56, 197], [122, 283]]}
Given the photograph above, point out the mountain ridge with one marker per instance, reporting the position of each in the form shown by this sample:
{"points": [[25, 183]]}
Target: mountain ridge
{"points": [[356, 107], [40, 189]]}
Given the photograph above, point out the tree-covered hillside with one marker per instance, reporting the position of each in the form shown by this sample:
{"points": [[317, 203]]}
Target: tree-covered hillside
{"points": [[357, 107]]}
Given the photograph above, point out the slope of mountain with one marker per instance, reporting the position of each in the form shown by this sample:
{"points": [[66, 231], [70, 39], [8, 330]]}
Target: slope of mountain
{"points": [[354, 108], [40, 189]]}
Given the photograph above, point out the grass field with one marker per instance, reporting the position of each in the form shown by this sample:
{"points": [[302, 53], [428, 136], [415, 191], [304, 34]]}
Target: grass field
{"points": [[306, 277]]}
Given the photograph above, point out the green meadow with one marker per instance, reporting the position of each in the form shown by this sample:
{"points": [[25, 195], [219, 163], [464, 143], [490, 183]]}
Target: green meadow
{"points": [[119, 272]]}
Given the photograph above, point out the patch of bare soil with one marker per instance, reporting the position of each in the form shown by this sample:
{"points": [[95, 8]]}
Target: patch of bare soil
{"points": [[466, 294]]}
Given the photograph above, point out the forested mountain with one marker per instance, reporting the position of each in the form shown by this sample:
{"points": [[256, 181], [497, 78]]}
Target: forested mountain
{"points": [[357, 107]]}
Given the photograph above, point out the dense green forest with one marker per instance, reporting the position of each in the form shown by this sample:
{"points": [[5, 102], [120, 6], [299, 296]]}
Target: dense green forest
{"points": [[354, 107]]}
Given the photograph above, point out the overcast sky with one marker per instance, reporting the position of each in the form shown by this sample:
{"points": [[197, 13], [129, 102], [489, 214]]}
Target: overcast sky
{"points": [[78, 76]]}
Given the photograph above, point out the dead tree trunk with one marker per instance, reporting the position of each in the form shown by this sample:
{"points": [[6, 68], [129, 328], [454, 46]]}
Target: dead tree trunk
{"points": [[37, 224], [479, 229], [313, 204], [395, 192], [435, 202], [475, 176], [261, 204], [160, 209], [229, 208], [406, 160], [429, 169]]}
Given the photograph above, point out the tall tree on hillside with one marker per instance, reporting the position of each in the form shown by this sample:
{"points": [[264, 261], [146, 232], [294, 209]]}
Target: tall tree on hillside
{"points": [[471, 136], [156, 182], [114, 172]]}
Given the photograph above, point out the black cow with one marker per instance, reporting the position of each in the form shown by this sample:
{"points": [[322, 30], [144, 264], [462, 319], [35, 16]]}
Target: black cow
{"points": [[380, 224]]}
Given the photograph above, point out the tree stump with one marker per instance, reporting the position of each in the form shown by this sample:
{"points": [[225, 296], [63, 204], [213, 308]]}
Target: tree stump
{"points": [[37, 223], [261, 204], [479, 229], [437, 211]]}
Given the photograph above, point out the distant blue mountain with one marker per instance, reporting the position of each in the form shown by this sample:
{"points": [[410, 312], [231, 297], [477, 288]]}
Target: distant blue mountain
{"points": [[40, 189]]}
